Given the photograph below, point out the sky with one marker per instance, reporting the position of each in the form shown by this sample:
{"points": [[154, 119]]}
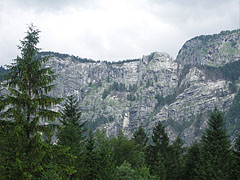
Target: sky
{"points": [[112, 29]]}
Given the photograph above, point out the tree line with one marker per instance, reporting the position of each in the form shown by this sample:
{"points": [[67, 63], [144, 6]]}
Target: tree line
{"points": [[34, 146]]}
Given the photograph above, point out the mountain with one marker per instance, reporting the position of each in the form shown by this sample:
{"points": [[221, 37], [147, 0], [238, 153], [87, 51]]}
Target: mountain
{"points": [[140, 92]]}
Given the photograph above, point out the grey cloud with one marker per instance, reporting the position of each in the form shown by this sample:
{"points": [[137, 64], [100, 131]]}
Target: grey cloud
{"points": [[50, 5], [189, 3], [180, 12]]}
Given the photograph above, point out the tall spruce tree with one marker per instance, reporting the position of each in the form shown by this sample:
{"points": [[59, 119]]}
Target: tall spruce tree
{"points": [[176, 162], [140, 137], [72, 131], [91, 160], [216, 156], [26, 111], [157, 153], [105, 154], [126, 150], [192, 158], [237, 158]]}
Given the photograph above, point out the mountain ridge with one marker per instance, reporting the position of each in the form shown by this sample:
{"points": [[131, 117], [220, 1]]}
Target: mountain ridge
{"points": [[178, 92]]}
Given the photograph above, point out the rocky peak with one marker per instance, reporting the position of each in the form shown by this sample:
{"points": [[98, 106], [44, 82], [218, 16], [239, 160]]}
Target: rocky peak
{"points": [[156, 56], [124, 95], [213, 50]]}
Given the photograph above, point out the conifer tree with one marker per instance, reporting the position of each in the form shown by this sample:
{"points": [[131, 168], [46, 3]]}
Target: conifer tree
{"points": [[105, 156], [125, 172], [157, 153], [72, 131], [91, 161], [237, 158], [176, 161], [126, 150], [216, 156], [192, 159], [140, 137], [26, 111]]}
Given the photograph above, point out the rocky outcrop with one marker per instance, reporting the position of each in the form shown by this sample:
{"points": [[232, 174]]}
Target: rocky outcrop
{"points": [[214, 50], [125, 95]]}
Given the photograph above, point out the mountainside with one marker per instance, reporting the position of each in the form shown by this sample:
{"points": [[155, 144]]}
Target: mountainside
{"points": [[140, 92], [213, 50]]}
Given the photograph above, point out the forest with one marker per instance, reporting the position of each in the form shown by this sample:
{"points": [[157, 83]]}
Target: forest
{"points": [[34, 146]]}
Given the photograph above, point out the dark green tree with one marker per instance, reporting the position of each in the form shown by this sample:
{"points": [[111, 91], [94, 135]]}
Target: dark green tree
{"points": [[27, 111], [237, 158], [71, 133], [140, 137], [216, 156], [192, 158], [176, 161], [90, 159], [157, 153], [105, 158], [126, 150], [125, 172]]}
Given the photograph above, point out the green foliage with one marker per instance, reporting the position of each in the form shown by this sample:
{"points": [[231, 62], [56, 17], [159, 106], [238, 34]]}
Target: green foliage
{"points": [[90, 159], [3, 73], [176, 163], [122, 62], [216, 154], [28, 124], [126, 150], [72, 131], [132, 88], [58, 163], [192, 158], [104, 150], [131, 97], [233, 116], [63, 56], [161, 101], [236, 164], [158, 152], [26, 112], [120, 87], [184, 72], [143, 173], [207, 38], [140, 137], [233, 87], [106, 92], [125, 172], [230, 71]]}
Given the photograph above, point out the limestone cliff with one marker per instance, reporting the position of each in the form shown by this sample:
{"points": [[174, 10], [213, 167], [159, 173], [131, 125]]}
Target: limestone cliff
{"points": [[180, 93]]}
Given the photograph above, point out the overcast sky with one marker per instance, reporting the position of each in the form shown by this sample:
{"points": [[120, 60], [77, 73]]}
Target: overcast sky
{"points": [[112, 29]]}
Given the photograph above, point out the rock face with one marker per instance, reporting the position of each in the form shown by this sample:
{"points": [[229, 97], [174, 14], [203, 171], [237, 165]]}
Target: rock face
{"points": [[215, 50], [179, 93]]}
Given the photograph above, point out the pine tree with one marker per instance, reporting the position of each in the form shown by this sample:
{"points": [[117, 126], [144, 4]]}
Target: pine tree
{"points": [[237, 158], [140, 137], [175, 164], [157, 153], [216, 156], [91, 161], [192, 159], [125, 172], [72, 131], [126, 150], [26, 111], [105, 156]]}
